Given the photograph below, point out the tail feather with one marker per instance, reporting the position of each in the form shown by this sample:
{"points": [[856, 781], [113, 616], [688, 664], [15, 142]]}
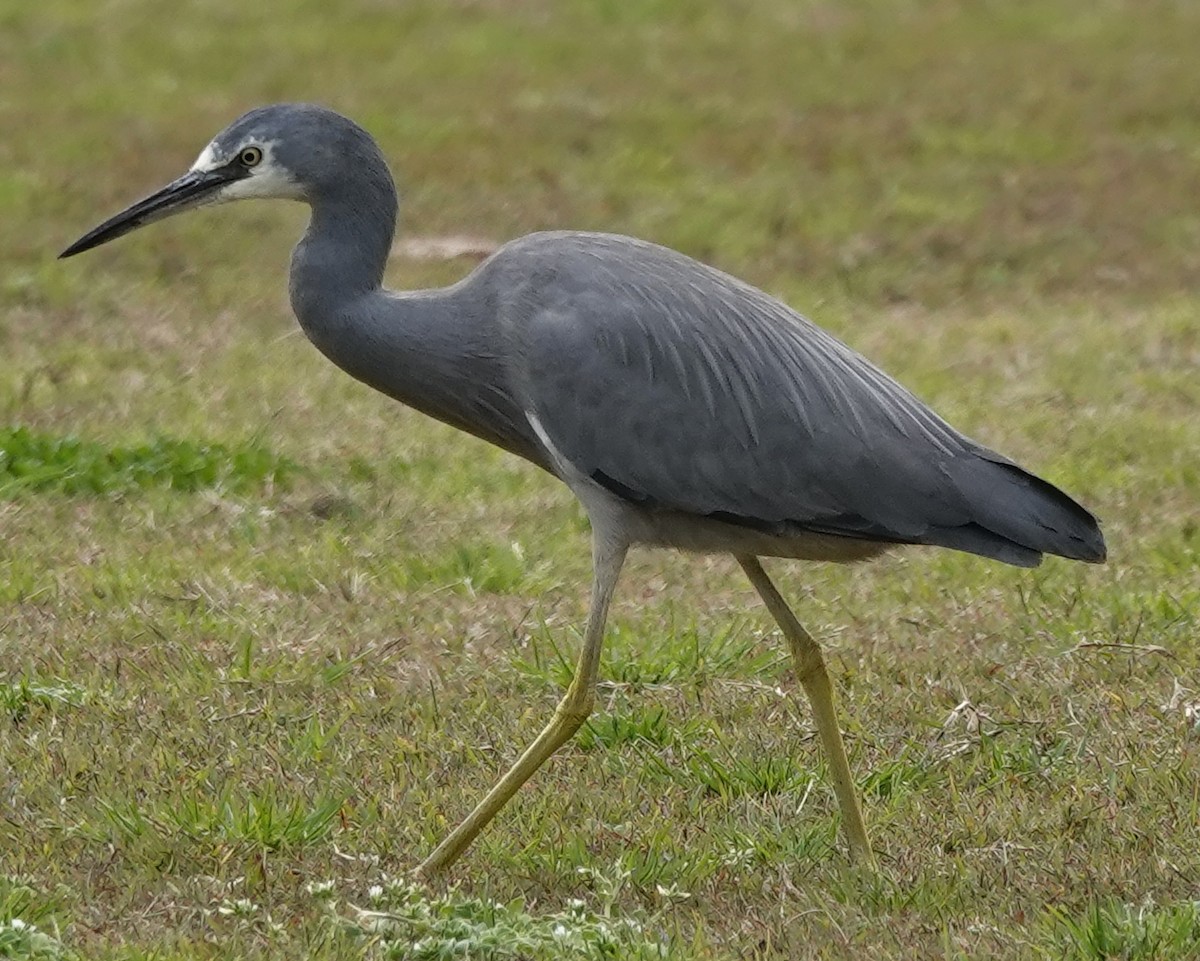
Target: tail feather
{"points": [[1025, 511], [979, 540]]}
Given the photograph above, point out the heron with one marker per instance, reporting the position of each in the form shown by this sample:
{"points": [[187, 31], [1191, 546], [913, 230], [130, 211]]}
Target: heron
{"points": [[683, 407]]}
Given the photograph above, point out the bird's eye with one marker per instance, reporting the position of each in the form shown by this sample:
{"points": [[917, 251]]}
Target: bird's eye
{"points": [[250, 157]]}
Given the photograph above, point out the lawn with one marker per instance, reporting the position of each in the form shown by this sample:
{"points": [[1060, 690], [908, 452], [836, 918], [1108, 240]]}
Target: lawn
{"points": [[265, 635]]}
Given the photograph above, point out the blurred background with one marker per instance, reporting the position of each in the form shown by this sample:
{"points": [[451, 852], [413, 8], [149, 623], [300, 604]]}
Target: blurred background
{"points": [[911, 151], [234, 581]]}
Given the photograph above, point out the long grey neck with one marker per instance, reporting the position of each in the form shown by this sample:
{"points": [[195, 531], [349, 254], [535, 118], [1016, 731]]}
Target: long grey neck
{"points": [[345, 249], [435, 350]]}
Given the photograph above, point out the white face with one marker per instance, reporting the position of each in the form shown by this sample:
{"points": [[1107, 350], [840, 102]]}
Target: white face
{"points": [[266, 179]]}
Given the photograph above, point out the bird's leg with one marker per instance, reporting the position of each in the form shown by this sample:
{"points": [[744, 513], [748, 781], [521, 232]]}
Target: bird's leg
{"points": [[810, 671], [572, 711]]}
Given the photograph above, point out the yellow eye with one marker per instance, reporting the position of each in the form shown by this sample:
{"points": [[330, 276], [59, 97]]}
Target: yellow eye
{"points": [[250, 157]]}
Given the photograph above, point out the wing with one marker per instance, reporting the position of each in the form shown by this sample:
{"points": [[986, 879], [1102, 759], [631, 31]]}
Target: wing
{"points": [[679, 387]]}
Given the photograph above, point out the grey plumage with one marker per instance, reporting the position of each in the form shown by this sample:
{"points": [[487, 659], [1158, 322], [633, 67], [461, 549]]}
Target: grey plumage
{"points": [[680, 388], [684, 407]]}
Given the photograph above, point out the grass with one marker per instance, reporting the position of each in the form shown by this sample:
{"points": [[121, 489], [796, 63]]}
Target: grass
{"points": [[1126, 931], [40, 463], [404, 922], [264, 634]]}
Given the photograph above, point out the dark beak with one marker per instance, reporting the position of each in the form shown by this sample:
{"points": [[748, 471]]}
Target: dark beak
{"points": [[193, 189]]}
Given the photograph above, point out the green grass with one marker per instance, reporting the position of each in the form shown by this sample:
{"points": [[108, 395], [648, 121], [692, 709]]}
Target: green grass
{"points": [[41, 463], [265, 636], [1125, 931], [403, 922]]}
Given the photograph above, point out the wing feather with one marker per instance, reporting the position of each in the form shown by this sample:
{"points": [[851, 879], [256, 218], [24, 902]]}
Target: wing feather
{"points": [[687, 389]]}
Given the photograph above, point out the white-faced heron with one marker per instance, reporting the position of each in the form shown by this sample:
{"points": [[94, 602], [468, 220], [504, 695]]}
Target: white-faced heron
{"points": [[683, 407]]}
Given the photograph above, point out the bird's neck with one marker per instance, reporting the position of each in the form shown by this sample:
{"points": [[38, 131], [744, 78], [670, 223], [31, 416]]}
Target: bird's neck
{"points": [[430, 349], [344, 251]]}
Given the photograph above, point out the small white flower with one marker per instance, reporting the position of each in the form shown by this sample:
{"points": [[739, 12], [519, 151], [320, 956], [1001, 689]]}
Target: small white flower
{"points": [[18, 925], [241, 908], [320, 889], [672, 893], [375, 892]]}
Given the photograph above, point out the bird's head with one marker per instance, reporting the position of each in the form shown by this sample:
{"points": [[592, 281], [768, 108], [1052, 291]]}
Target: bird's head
{"points": [[289, 151]]}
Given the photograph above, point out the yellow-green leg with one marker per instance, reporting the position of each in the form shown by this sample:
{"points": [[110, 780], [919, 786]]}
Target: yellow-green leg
{"points": [[810, 670], [570, 714]]}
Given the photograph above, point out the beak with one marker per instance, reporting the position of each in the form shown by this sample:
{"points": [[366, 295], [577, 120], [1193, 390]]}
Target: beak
{"points": [[194, 189]]}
